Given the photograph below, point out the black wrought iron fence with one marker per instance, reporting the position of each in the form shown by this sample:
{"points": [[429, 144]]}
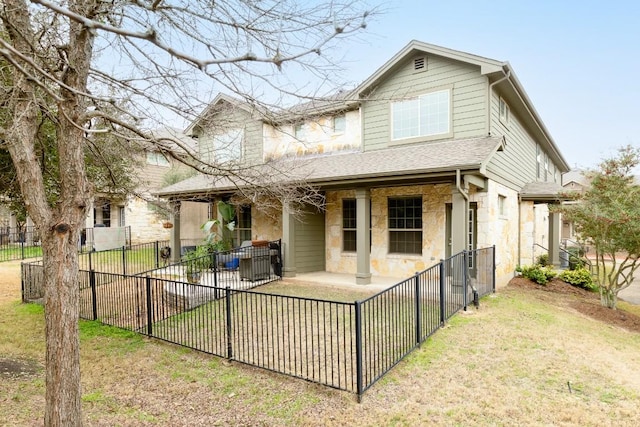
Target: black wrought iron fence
{"points": [[129, 259], [19, 243], [347, 346]]}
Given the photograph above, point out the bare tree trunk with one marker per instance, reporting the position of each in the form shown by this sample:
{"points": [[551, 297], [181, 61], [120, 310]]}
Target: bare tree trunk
{"points": [[62, 312], [608, 297]]}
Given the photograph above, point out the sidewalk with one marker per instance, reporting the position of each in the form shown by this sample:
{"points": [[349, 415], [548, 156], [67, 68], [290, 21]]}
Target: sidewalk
{"points": [[632, 293]]}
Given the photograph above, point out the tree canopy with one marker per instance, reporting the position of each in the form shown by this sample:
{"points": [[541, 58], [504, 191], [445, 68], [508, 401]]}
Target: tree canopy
{"points": [[607, 215]]}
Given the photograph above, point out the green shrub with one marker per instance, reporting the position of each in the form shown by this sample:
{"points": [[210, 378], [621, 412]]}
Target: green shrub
{"points": [[576, 260], [543, 260], [580, 277], [539, 274]]}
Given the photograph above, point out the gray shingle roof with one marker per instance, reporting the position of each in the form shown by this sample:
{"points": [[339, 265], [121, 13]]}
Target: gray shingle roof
{"points": [[542, 191], [400, 162]]}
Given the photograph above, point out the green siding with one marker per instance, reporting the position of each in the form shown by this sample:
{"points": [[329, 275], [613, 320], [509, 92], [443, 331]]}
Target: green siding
{"points": [[469, 91], [253, 141], [516, 166], [310, 243]]}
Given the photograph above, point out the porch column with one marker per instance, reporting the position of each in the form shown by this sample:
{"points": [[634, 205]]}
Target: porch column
{"points": [[174, 236], [88, 221], [554, 238], [363, 237], [288, 242], [459, 222]]}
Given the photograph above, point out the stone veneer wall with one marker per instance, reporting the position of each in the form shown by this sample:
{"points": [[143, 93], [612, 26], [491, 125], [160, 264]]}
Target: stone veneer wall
{"points": [[534, 231], [498, 229], [492, 229], [434, 198], [145, 225], [266, 225]]}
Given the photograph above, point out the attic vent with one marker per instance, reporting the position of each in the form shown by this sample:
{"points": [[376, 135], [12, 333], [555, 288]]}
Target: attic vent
{"points": [[420, 64]]}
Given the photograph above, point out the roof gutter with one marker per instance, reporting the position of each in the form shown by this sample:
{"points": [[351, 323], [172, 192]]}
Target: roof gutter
{"points": [[489, 92]]}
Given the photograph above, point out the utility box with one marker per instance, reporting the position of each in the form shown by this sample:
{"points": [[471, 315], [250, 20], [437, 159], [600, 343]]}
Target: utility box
{"points": [[255, 263]]}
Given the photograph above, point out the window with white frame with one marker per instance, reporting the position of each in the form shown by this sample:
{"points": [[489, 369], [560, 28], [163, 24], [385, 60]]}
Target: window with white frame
{"points": [[546, 167], [349, 225], [502, 208], [242, 231], [298, 131], [227, 146], [157, 159], [504, 111], [538, 161], [339, 123], [405, 225], [426, 115]]}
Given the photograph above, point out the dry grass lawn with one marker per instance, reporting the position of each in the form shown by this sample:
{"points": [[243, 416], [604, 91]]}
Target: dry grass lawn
{"points": [[528, 356]]}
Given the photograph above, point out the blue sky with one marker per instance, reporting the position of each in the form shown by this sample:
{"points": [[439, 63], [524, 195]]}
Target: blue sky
{"points": [[579, 61]]}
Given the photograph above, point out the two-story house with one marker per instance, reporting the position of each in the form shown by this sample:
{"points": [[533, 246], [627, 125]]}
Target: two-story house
{"points": [[438, 151]]}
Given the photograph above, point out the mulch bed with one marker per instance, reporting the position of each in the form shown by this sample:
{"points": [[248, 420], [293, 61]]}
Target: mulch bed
{"points": [[583, 301]]}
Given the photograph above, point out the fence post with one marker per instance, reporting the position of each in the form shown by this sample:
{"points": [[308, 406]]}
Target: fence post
{"points": [[23, 267], [156, 251], [94, 296], [442, 292], [215, 276], [90, 260], [124, 260], [465, 279], [358, 326], [228, 303], [493, 269], [22, 238], [418, 310], [149, 307]]}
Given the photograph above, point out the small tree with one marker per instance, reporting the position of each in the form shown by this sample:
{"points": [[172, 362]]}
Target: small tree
{"points": [[608, 214]]}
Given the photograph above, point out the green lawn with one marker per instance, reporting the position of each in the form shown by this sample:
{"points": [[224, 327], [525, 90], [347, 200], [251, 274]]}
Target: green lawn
{"points": [[518, 360]]}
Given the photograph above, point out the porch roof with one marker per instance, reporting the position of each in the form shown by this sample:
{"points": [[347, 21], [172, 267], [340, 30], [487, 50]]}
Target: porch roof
{"points": [[544, 192], [396, 164]]}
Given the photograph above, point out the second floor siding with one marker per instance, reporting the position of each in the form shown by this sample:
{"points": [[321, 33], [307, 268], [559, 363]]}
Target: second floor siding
{"points": [[524, 159], [230, 134], [462, 84]]}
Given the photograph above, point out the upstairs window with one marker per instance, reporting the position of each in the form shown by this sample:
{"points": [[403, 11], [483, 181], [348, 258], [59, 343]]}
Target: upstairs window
{"points": [[298, 131], [227, 146], [157, 159], [339, 124], [425, 115], [405, 225], [505, 112]]}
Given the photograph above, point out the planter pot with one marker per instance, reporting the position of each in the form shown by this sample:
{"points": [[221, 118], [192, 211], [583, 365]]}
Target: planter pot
{"points": [[167, 225], [194, 277]]}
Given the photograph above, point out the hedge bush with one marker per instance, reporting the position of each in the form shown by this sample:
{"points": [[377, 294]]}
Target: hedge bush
{"points": [[580, 277], [539, 274], [543, 260]]}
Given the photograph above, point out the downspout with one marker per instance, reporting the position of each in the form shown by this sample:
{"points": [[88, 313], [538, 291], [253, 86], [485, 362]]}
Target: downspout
{"points": [[465, 195], [489, 92], [459, 186], [520, 229]]}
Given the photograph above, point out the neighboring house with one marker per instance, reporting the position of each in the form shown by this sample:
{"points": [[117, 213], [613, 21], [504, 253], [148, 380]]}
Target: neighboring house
{"points": [[139, 211], [572, 181], [576, 181], [438, 151]]}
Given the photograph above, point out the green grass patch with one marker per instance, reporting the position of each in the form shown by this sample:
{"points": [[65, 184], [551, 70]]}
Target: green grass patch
{"points": [[110, 338]]}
